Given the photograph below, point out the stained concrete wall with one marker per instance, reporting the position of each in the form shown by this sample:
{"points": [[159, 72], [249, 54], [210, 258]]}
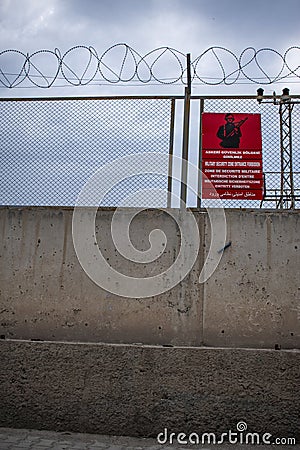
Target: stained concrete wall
{"points": [[140, 390], [251, 300], [45, 293]]}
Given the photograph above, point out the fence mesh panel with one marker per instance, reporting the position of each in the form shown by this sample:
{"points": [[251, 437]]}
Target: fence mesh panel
{"points": [[50, 148]]}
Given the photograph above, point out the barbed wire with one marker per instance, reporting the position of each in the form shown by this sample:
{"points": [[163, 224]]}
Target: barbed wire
{"points": [[81, 65]]}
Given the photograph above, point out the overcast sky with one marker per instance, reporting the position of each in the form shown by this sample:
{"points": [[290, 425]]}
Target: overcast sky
{"points": [[190, 26]]}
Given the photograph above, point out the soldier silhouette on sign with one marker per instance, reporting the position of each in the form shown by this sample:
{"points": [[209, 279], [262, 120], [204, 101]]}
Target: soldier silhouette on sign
{"points": [[230, 133]]}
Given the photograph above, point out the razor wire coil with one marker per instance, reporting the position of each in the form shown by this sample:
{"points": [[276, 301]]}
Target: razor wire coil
{"points": [[81, 65]]}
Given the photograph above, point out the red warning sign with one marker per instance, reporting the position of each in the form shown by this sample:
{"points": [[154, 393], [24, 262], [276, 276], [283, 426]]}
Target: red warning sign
{"points": [[232, 156]]}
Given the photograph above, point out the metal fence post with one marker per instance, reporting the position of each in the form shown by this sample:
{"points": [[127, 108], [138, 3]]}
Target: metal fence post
{"points": [[199, 190], [186, 131], [171, 151], [287, 183]]}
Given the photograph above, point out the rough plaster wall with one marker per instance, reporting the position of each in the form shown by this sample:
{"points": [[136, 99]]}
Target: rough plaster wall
{"points": [[135, 390]]}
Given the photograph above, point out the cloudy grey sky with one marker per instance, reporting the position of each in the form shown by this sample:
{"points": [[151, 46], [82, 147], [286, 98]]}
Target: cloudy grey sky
{"points": [[190, 26]]}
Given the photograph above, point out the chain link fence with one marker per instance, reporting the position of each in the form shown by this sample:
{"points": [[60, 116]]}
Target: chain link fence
{"points": [[50, 148]]}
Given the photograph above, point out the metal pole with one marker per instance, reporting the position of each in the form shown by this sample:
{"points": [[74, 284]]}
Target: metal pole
{"points": [[188, 68], [171, 148], [186, 130], [199, 193]]}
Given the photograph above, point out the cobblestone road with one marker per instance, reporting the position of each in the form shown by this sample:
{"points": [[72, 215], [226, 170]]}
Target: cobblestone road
{"points": [[11, 439]]}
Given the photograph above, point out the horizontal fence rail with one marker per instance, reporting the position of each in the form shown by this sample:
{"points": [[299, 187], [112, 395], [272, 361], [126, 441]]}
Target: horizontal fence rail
{"points": [[51, 148]]}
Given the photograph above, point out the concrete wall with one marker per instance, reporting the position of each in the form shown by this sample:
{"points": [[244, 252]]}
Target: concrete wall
{"points": [[45, 293], [140, 390], [204, 384], [251, 300]]}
